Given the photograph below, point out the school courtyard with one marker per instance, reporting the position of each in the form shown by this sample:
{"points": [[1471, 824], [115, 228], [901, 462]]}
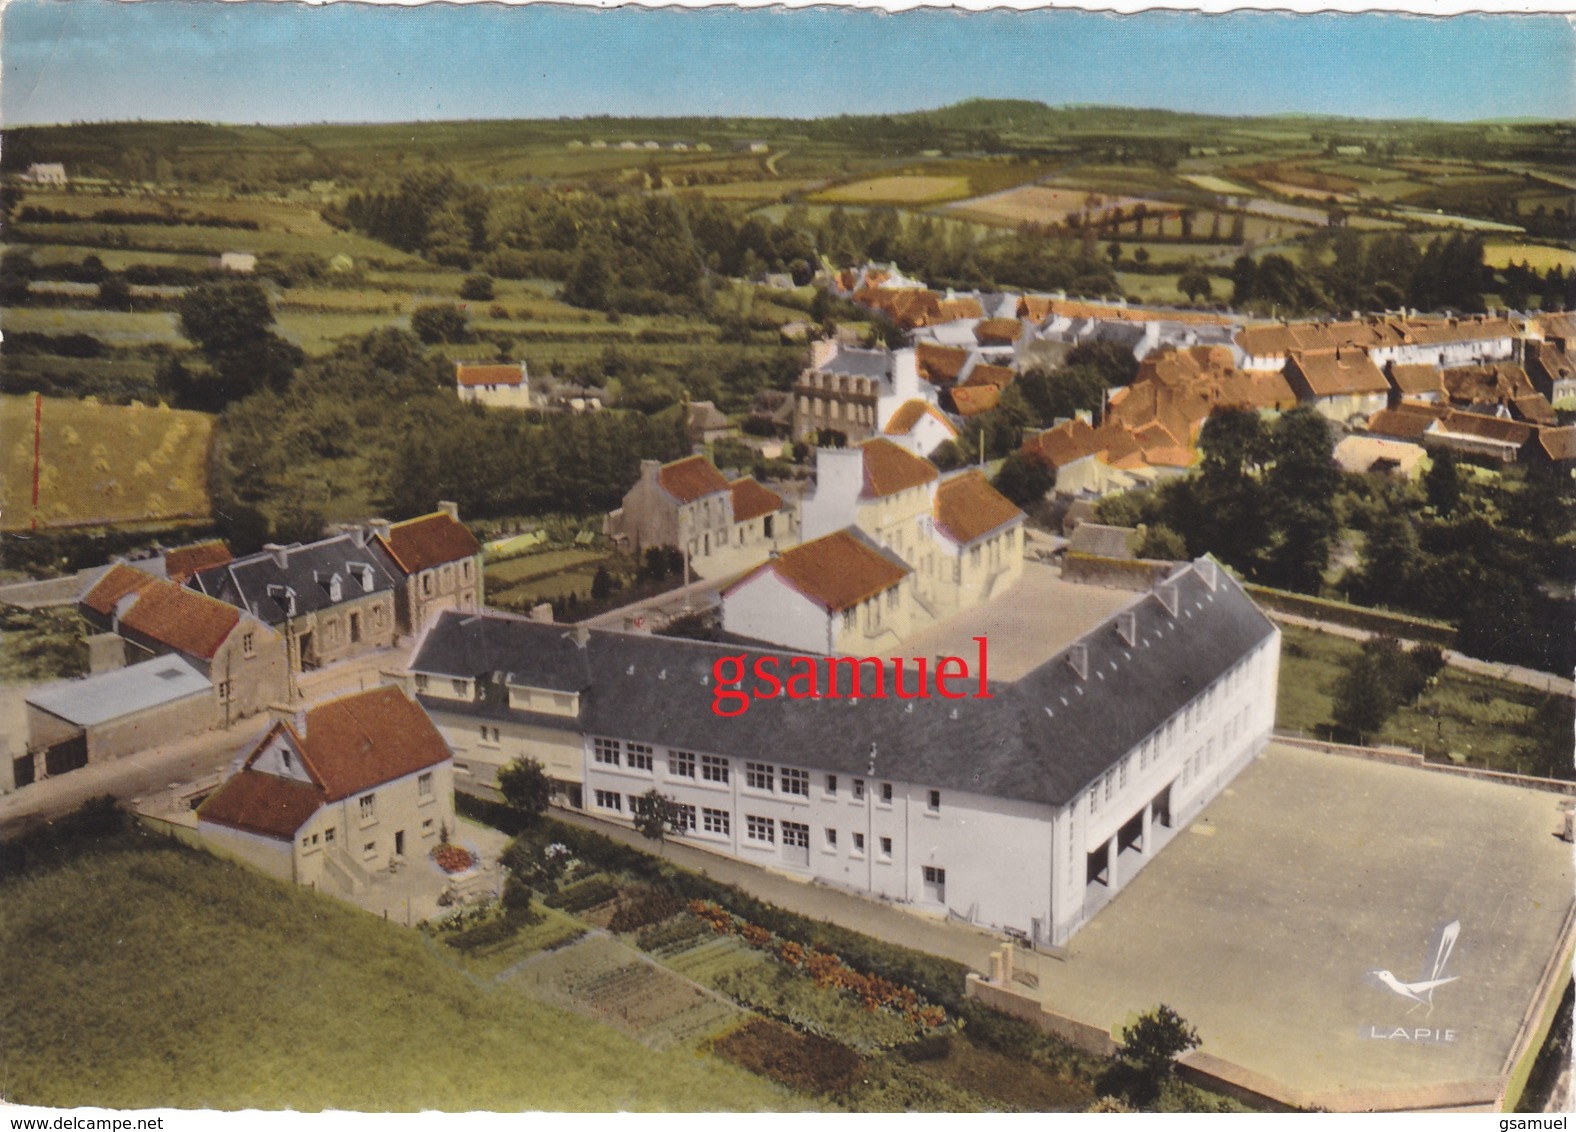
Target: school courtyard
{"points": [[1266, 925]]}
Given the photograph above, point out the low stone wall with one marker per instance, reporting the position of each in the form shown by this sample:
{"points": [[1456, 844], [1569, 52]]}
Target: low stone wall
{"points": [[1418, 762], [1086, 1037]]}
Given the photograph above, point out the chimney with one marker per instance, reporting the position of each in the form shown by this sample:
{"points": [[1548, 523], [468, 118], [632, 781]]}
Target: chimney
{"points": [[278, 553], [1078, 660], [379, 528], [542, 612], [450, 508], [649, 470]]}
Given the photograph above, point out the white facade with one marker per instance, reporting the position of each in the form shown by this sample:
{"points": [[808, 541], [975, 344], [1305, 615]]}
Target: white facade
{"points": [[1014, 865]]}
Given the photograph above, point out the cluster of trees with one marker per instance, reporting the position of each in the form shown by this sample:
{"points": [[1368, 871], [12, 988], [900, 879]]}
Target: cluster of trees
{"points": [[1343, 270], [231, 323], [377, 420], [1263, 501], [1384, 678]]}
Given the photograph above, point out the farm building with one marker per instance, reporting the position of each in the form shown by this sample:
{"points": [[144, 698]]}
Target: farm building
{"points": [[74, 723], [1024, 810], [496, 386]]}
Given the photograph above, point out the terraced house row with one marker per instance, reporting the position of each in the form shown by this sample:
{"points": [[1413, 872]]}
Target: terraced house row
{"points": [[1024, 812]]}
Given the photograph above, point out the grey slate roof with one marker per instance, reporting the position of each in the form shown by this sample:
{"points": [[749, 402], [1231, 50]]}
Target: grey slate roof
{"points": [[858, 363], [1042, 739], [110, 695], [1104, 541], [307, 570]]}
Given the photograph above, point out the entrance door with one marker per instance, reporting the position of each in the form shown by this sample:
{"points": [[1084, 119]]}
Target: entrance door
{"points": [[1160, 808], [935, 884], [399, 843]]}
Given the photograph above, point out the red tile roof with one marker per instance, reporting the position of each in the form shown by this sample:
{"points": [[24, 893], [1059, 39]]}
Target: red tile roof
{"points": [[1558, 443], [264, 804], [1486, 428], [939, 365], [1416, 380], [971, 400], [836, 571], [1405, 422], [751, 500], [1065, 444], [163, 611], [999, 376], [691, 478], [360, 741], [998, 331], [1337, 373], [950, 310], [968, 508], [114, 584], [891, 468], [431, 540], [471, 375], [184, 561], [1497, 381], [910, 413]]}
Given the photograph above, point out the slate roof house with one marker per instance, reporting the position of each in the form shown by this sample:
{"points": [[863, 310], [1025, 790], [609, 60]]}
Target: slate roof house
{"points": [[332, 599], [337, 792], [1024, 811]]}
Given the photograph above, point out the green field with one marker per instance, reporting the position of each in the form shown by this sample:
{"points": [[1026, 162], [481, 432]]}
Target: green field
{"points": [[103, 463], [1472, 719], [203, 985]]}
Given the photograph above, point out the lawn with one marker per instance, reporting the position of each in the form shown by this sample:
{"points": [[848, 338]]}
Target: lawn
{"points": [[103, 463], [1473, 719], [106, 326], [1536, 256], [203, 985]]}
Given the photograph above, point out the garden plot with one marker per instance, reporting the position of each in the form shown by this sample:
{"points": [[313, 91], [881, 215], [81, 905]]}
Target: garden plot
{"points": [[602, 978]]}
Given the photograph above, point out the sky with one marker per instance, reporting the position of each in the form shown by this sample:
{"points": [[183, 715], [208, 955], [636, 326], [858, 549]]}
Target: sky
{"points": [[279, 63]]}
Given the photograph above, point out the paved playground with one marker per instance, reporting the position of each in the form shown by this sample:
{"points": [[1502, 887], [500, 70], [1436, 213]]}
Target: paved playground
{"points": [[1263, 925]]}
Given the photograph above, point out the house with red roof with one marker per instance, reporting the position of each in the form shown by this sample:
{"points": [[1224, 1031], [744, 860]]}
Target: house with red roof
{"points": [[496, 386], [241, 656], [442, 564], [336, 793], [691, 505], [841, 593], [920, 427]]}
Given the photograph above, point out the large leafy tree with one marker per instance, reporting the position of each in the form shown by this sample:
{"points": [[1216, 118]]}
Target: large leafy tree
{"points": [[526, 788], [231, 322]]}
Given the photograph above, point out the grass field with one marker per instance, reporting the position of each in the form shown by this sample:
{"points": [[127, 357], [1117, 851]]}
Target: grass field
{"points": [[203, 985], [1037, 204], [107, 326], [529, 567], [1478, 720], [1536, 256], [103, 463]]}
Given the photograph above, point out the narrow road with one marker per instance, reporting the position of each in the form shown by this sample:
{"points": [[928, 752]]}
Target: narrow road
{"points": [[165, 764]]}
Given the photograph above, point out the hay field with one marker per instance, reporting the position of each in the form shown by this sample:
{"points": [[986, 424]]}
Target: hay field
{"points": [[103, 464], [1536, 256], [1037, 204], [900, 190]]}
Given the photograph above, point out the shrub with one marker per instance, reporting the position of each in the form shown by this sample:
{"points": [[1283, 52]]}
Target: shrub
{"points": [[584, 894], [477, 288]]}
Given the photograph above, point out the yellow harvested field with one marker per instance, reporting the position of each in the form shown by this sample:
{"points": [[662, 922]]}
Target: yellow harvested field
{"points": [[1535, 256], [1037, 204], [897, 190], [103, 464], [1307, 192], [1216, 185]]}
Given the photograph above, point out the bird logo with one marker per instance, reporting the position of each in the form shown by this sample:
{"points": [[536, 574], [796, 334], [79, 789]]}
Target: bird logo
{"points": [[1422, 992]]}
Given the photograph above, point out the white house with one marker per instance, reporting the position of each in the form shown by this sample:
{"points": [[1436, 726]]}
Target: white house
{"points": [[496, 386], [1022, 810], [45, 173]]}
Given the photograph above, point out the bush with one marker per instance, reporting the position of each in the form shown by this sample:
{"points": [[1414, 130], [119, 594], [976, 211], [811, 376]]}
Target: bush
{"points": [[440, 322], [477, 288]]}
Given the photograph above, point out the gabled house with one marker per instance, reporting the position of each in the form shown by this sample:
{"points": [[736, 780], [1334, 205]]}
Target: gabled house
{"points": [[332, 599], [1340, 383], [920, 427], [686, 504], [496, 386], [337, 792], [441, 562], [840, 593], [234, 650], [760, 516], [979, 540]]}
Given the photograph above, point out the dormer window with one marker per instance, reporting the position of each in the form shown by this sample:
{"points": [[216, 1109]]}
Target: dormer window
{"points": [[363, 574], [335, 590]]}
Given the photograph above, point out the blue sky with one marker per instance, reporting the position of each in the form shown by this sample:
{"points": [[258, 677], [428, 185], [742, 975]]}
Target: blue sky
{"points": [[97, 60]]}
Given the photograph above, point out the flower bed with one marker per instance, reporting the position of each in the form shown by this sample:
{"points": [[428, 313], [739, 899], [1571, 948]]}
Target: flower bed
{"points": [[825, 969], [453, 859]]}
